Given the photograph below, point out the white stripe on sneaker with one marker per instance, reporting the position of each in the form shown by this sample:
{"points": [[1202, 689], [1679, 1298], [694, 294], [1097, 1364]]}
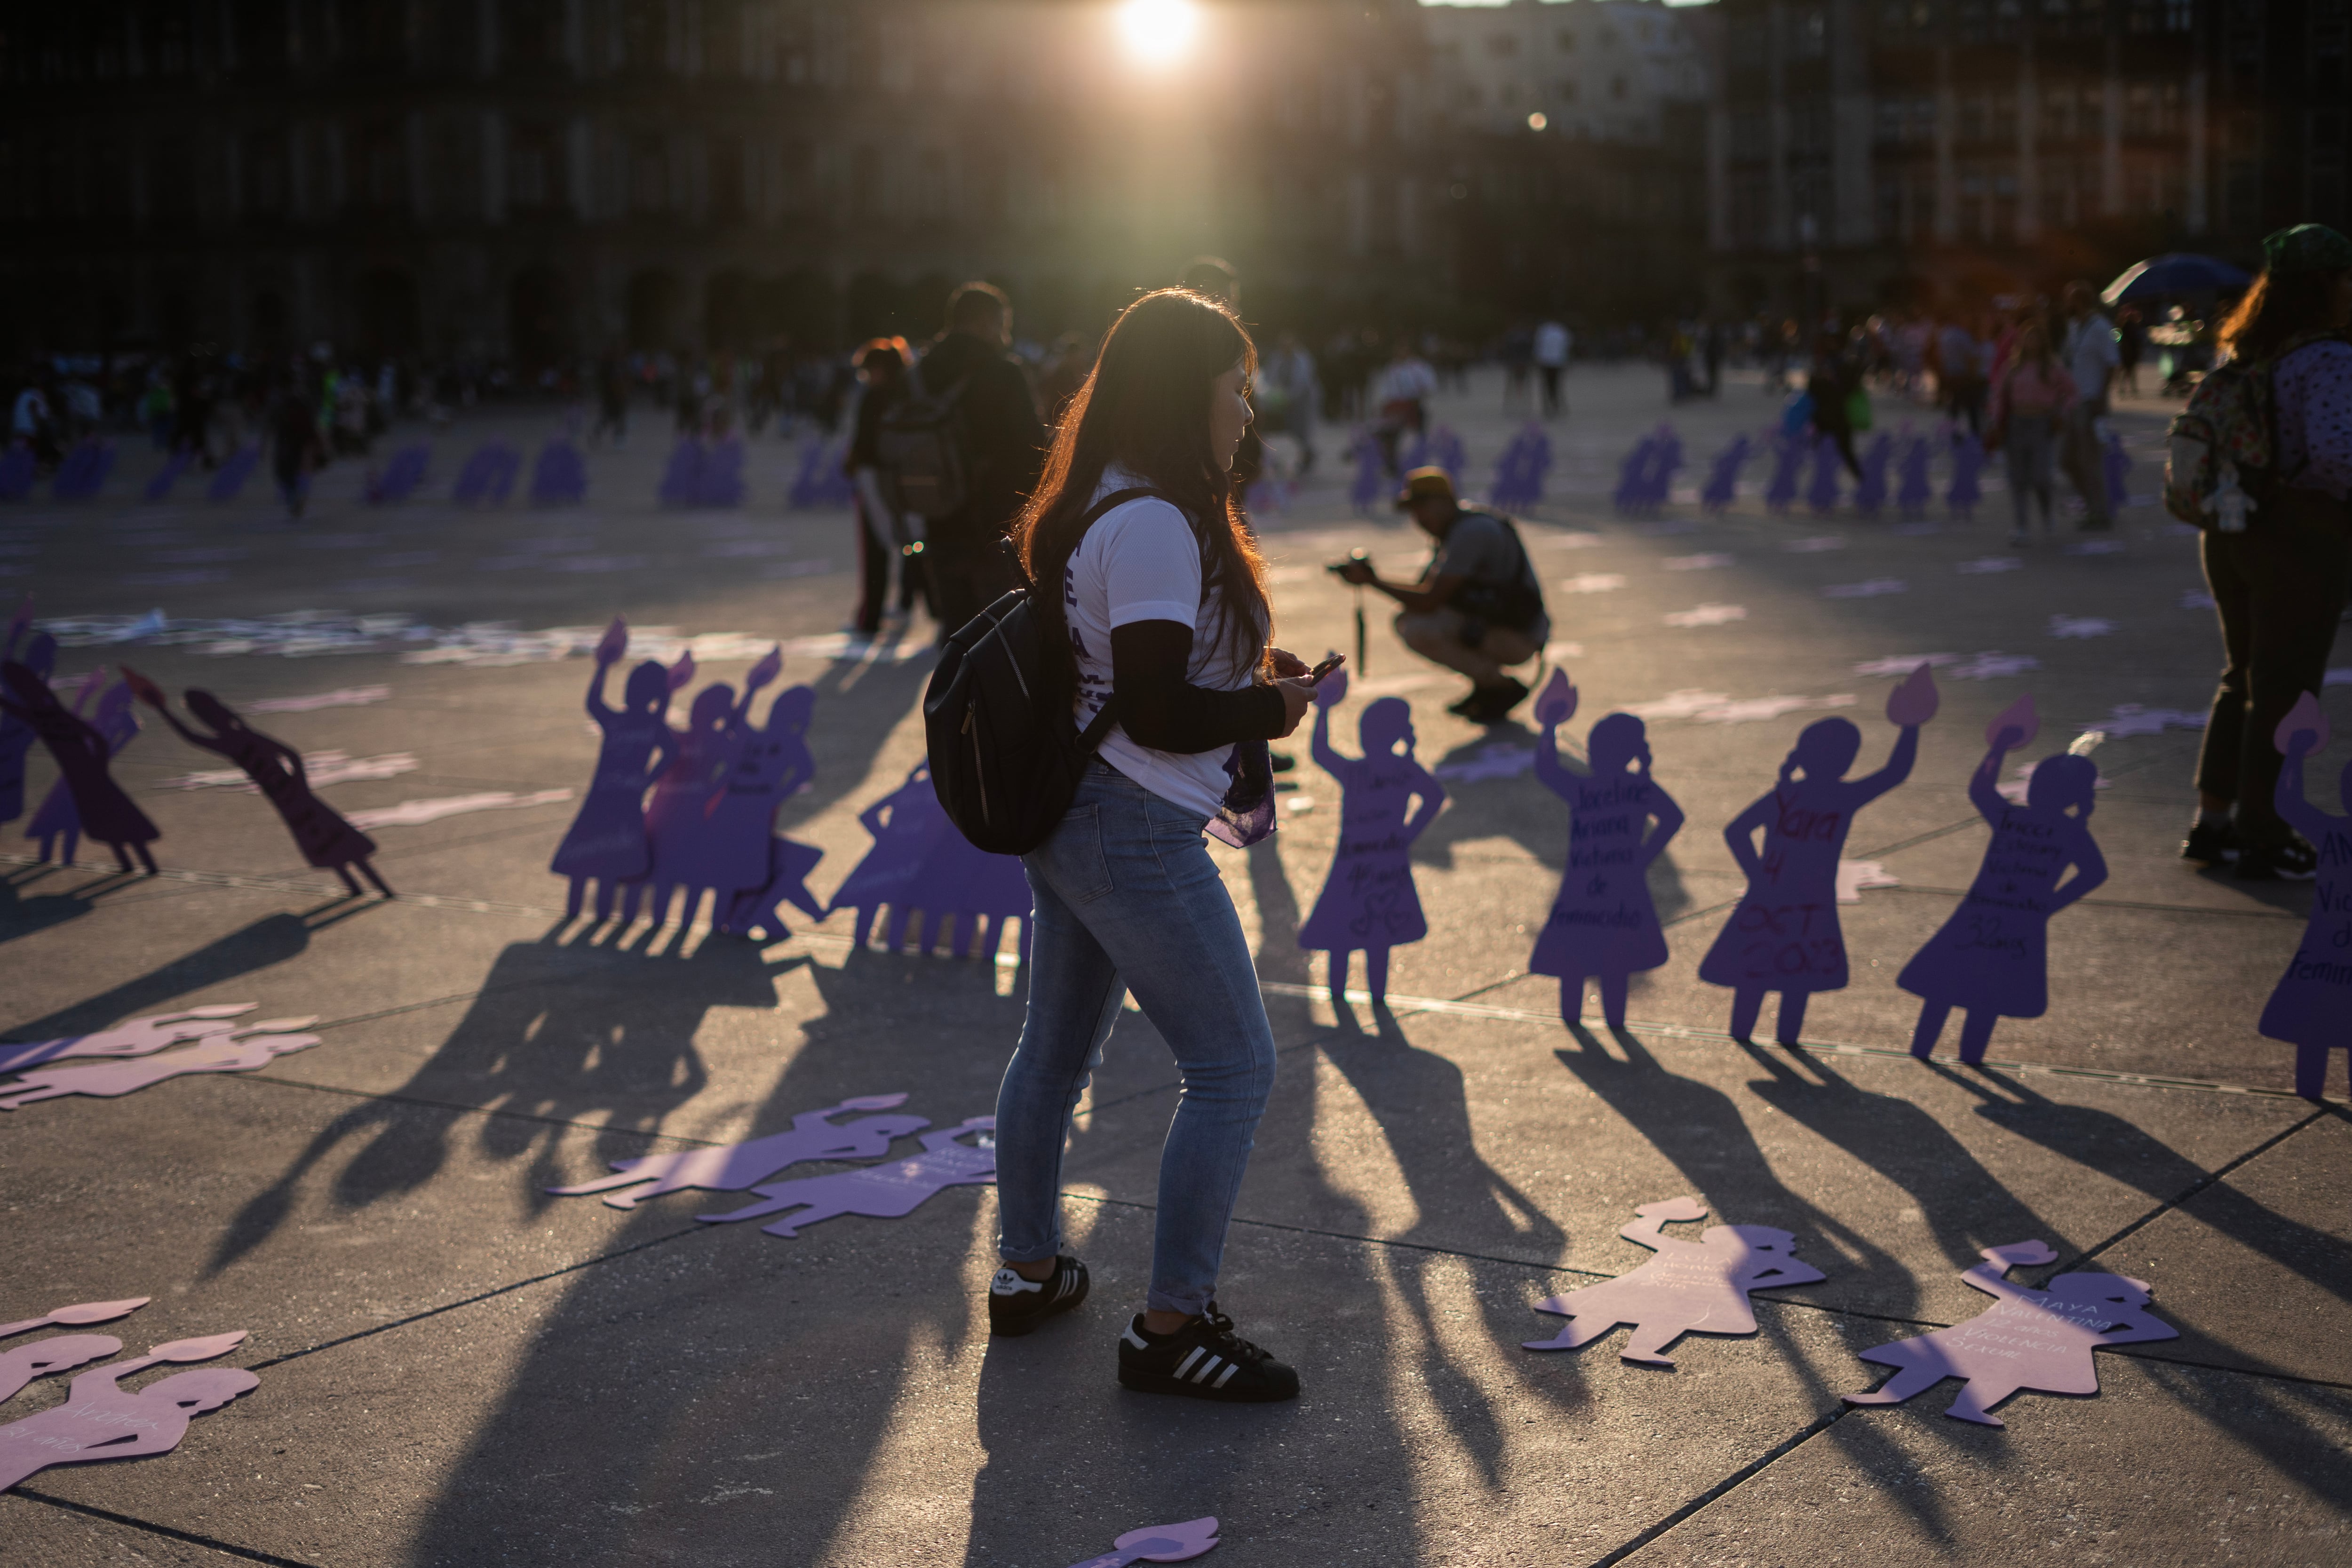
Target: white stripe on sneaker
{"points": [[1186, 1364], [1129, 1336], [1226, 1376], [1208, 1366]]}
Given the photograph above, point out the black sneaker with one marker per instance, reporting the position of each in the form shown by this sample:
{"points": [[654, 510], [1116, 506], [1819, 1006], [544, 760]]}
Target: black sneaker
{"points": [[1016, 1306], [2291, 859], [1202, 1360], [1280, 761], [2210, 845], [1493, 704]]}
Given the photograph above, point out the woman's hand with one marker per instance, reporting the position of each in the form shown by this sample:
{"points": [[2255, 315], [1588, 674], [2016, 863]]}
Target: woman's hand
{"points": [[1297, 696], [1287, 664]]}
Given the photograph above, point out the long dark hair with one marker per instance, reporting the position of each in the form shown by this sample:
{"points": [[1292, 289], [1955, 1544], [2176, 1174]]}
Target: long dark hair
{"points": [[1145, 408], [2275, 308]]}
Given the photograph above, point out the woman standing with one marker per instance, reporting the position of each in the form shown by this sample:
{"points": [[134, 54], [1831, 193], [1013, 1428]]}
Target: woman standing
{"points": [[882, 379], [1163, 609], [2029, 402], [2279, 585]]}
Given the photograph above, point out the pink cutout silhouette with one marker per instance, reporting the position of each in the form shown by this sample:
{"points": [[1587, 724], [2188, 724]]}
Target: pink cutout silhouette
{"points": [[1991, 957], [738, 1167], [1784, 936], [110, 1081], [606, 843], [101, 1420], [139, 1038], [879, 1191], [1603, 922], [86, 799], [1368, 904], [1691, 1287], [2037, 1340], [77, 1315], [276, 770], [2311, 1006], [920, 862], [60, 1352], [1158, 1544]]}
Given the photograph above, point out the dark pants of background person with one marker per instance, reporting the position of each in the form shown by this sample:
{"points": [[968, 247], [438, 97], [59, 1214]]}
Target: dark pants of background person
{"points": [[1551, 390], [2086, 464], [874, 557], [1836, 428], [2280, 589], [1965, 394], [965, 576]]}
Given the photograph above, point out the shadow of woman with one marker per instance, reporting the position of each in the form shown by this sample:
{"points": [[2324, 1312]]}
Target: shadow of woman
{"points": [[265, 944], [557, 1034]]}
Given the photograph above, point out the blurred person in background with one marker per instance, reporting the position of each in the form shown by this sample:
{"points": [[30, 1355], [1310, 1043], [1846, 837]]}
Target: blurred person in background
{"points": [[2131, 346], [884, 535], [1401, 393], [2031, 398], [2092, 359], [1002, 443], [1831, 384], [297, 447], [1288, 392], [1553, 345]]}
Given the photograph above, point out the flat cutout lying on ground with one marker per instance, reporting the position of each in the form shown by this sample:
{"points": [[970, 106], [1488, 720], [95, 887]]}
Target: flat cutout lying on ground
{"points": [[738, 1167], [113, 1079], [1158, 1544], [139, 1038], [2037, 1340], [1691, 1287], [102, 1420], [879, 1191]]}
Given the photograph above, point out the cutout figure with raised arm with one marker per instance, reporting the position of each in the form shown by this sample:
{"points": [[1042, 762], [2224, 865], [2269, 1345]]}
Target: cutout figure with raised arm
{"points": [[2037, 1340], [2311, 1006], [320, 832], [606, 843], [110, 1081], [139, 1038], [1388, 799], [1785, 935], [1691, 1287], [738, 1167], [83, 751], [1602, 924], [921, 863], [1991, 957], [880, 1192], [765, 767], [102, 1420], [38, 651], [690, 850]]}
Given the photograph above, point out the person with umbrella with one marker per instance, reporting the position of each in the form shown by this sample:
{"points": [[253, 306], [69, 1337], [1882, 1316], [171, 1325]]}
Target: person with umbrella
{"points": [[2279, 585]]}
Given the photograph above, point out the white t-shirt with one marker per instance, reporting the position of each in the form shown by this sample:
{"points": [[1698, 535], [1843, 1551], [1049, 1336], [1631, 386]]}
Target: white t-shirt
{"points": [[2090, 353], [1405, 380], [1140, 561], [1552, 343]]}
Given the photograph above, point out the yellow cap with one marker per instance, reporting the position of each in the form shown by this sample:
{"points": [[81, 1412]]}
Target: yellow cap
{"points": [[1425, 484]]}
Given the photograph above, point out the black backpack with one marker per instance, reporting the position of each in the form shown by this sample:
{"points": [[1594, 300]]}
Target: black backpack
{"points": [[919, 450], [1005, 754]]}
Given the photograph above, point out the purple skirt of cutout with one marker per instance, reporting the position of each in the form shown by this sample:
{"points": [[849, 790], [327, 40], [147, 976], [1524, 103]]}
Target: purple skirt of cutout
{"points": [[2311, 1004], [1369, 900], [1603, 921], [607, 838]]}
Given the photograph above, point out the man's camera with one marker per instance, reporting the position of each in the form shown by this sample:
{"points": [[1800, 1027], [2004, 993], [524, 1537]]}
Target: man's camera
{"points": [[1341, 568]]}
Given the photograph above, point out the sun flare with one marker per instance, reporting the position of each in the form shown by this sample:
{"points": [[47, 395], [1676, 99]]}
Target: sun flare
{"points": [[1158, 33]]}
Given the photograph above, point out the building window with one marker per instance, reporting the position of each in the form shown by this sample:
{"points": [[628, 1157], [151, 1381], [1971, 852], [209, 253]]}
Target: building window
{"points": [[383, 167], [726, 171], [648, 174], [534, 162], [1812, 39], [265, 174]]}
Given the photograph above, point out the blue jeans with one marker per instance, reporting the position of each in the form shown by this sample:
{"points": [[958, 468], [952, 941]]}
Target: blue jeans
{"points": [[1127, 897]]}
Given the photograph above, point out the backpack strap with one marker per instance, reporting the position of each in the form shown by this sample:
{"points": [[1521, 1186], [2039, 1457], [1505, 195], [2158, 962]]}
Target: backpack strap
{"points": [[1106, 715]]}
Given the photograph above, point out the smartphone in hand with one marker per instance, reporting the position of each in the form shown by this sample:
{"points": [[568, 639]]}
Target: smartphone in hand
{"points": [[1330, 662]]}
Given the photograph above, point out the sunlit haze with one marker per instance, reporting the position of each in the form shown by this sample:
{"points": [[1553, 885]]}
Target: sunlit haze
{"points": [[1159, 32]]}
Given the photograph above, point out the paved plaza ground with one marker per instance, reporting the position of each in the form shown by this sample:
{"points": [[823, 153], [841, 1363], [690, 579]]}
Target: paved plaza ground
{"points": [[458, 1368]]}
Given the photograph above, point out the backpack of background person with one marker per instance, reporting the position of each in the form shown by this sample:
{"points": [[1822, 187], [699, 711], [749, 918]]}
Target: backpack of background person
{"points": [[1006, 755], [918, 448], [2224, 445]]}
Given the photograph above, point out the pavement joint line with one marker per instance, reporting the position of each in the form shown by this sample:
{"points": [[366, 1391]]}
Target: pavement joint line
{"points": [[1730, 1483], [2264, 913], [212, 1543], [2211, 1178]]}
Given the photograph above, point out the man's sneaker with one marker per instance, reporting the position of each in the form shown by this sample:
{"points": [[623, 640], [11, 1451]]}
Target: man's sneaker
{"points": [[1493, 704], [2210, 845], [2291, 859], [1016, 1306], [1202, 1360]]}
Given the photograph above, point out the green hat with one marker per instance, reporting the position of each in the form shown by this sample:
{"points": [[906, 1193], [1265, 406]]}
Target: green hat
{"points": [[2307, 248]]}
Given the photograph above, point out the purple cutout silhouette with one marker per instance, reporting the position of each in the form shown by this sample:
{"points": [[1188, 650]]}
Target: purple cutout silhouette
{"points": [[1602, 924], [101, 1420], [488, 477], [559, 476], [76, 1316], [1158, 1544], [890, 1191], [39, 655], [1784, 935], [228, 479], [1822, 494], [765, 765], [719, 480], [400, 476], [1870, 490], [1787, 461], [1368, 904], [921, 863], [139, 1038], [2037, 1340], [160, 487], [1968, 458], [2311, 1006], [1723, 478], [759, 912], [112, 1079], [1991, 957], [691, 850], [1914, 489], [1520, 471], [606, 843], [18, 469], [819, 481], [1445, 452], [82, 750], [62, 1352], [1371, 481], [682, 475], [55, 819], [84, 470], [738, 1167], [1691, 1287], [320, 832]]}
